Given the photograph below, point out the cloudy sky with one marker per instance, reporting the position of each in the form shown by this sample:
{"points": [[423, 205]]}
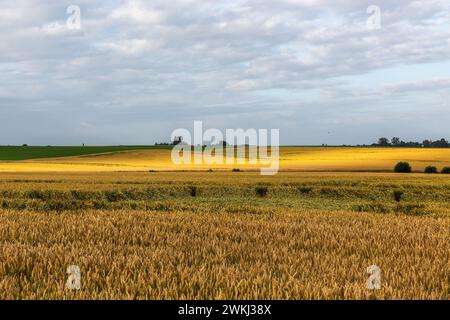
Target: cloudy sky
{"points": [[319, 70]]}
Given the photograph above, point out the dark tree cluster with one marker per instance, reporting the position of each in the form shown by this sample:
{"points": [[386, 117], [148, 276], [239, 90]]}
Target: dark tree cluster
{"points": [[175, 142], [396, 142], [405, 167], [163, 144]]}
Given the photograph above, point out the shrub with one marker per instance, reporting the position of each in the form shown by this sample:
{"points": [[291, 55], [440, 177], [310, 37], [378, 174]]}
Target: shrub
{"points": [[80, 195], [43, 195], [113, 196], [236, 170], [446, 170], [193, 191], [100, 204], [412, 209], [398, 195], [403, 167], [261, 191], [304, 190], [431, 169], [372, 207]]}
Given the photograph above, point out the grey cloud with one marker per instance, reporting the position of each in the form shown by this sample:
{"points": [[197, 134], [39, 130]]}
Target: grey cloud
{"points": [[418, 86], [140, 64]]}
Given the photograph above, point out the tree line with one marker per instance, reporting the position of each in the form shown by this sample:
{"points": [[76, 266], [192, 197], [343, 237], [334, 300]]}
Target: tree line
{"points": [[397, 142]]}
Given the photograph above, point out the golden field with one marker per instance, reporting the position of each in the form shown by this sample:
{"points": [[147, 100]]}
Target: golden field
{"points": [[291, 159], [216, 235]]}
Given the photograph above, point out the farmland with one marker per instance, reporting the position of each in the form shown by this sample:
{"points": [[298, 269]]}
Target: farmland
{"points": [[158, 158], [224, 235]]}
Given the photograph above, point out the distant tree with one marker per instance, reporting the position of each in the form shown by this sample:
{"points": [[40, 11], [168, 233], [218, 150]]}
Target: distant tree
{"points": [[395, 141], [426, 143], [440, 144], [383, 142], [403, 167], [446, 170], [24, 145], [177, 140], [431, 169]]}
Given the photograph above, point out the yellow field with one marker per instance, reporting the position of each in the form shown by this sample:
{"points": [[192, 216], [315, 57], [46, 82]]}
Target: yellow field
{"points": [[291, 159], [215, 235]]}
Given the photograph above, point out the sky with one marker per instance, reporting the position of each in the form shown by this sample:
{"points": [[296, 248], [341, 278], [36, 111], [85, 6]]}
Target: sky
{"points": [[131, 72]]}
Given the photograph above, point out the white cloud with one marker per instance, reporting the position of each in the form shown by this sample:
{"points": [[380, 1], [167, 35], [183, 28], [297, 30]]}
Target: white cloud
{"points": [[137, 12]]}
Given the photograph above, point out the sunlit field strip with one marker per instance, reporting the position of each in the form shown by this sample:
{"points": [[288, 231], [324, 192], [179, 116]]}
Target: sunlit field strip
{"points": [[291, 159]]}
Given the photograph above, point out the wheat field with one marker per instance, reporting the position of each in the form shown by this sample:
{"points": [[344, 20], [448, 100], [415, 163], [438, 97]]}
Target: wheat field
{"points": [[224, 235]]}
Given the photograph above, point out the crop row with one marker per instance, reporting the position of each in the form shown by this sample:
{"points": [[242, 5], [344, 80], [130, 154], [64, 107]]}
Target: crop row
{"points": [[170, 192]]}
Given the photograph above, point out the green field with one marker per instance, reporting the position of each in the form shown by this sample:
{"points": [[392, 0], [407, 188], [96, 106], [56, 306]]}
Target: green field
{"points": [[39, 152]]}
